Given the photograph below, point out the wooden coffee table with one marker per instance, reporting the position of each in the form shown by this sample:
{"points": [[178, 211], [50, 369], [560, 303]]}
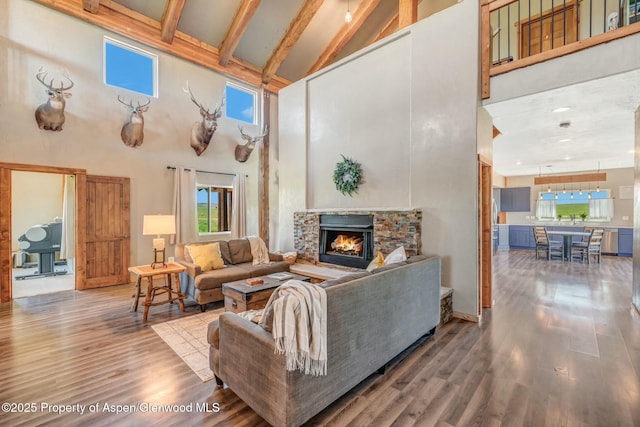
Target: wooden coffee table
{"points": [[240, 296]]}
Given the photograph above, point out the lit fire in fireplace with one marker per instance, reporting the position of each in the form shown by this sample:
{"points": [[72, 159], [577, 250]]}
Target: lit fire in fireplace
{"points": [[348, 245]]}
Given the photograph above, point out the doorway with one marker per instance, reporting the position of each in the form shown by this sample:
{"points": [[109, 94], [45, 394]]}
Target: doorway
{"points": [[43, 233], [102, 228]]}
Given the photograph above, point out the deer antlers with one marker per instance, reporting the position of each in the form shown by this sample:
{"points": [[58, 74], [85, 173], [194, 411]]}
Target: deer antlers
{"points": [[253, 139], [42, 75], [130, 104]]}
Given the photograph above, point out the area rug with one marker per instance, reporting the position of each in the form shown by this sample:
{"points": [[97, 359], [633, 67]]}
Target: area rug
{"points": [[188, 338]]}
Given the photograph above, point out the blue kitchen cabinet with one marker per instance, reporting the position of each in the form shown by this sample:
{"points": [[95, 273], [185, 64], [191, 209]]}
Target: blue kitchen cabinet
{"points": [[625, 242], [515, 199], [521, 237]]}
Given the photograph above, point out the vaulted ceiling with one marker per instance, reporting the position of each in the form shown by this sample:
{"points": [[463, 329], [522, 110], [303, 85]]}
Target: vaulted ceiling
{"points": [[265, 43]]}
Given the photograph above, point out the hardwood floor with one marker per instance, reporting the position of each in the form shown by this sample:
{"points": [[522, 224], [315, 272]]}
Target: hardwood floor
{"points": [[561, 347]]}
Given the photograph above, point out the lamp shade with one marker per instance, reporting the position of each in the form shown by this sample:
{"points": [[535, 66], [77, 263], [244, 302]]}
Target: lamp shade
{"points": [[158, 224]]}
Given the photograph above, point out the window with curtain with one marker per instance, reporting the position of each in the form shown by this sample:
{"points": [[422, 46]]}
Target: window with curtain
{"points": [[214, 206], [601, 209], [546, 209], [572, 204]]}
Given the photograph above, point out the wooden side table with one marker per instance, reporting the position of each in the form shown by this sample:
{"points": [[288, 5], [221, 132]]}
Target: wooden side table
{"points": [[145, 271]]}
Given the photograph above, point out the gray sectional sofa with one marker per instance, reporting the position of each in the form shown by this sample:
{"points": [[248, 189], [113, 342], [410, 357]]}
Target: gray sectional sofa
{"points": [[205, 287], [371, 318]]}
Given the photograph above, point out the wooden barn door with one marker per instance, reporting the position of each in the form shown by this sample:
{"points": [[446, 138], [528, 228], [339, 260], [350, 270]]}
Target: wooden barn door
{"points": [[106, 220]]}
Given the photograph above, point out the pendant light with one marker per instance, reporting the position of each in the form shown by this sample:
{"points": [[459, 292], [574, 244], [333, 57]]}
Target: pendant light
{"points": [[347, 16]]}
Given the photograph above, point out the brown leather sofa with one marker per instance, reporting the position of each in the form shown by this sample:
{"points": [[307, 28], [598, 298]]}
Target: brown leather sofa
{"points": [[205, 287]]}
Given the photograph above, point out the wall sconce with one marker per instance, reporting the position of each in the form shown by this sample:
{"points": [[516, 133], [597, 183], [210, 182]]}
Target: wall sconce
{"points": [[347, 16], [158, 225]]}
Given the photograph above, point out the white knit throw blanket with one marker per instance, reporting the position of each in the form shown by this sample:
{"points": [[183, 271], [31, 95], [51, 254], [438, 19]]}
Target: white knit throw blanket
{"points": [[300, 326]]}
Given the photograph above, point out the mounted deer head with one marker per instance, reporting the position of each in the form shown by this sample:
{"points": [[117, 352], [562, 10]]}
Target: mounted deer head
{"points": [[244, 151], [201, 132], [50, 115], [132, 132]]}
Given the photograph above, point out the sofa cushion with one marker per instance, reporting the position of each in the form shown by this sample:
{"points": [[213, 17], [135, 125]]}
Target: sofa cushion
{"points": [[215, 278], [240, 251], [207, 256], [224, 250], [397, 255], [378, 261], [263, 269]]}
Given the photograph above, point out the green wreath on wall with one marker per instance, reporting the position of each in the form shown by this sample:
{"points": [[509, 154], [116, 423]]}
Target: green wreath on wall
{"points": [[347, 176]]}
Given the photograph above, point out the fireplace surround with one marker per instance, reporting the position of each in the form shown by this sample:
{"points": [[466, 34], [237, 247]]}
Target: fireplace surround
{"points": [[346, 240], [391, 228]]}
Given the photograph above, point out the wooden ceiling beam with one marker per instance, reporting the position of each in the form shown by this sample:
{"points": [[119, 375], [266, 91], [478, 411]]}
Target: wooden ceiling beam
{"points": [[407, 13], [121, 20], [570, 179], [345, 34], [390, 28], [91, 6], [170, 18], [290, 38], [237, 28]]}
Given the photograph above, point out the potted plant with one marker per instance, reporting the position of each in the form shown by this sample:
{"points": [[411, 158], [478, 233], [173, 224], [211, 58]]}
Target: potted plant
{"points": [[559, 217], [583, 216]]}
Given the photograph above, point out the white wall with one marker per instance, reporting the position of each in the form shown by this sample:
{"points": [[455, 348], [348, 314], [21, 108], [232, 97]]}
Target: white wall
{"points": [[31, 37], [414, 131], [36, 199], [623, 208]]}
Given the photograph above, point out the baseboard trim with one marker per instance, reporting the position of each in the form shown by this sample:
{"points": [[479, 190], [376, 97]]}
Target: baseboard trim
{"points": [[465, 316]]}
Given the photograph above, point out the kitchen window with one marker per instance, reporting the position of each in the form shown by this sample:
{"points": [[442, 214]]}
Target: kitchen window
{"points": [[575, 205]]}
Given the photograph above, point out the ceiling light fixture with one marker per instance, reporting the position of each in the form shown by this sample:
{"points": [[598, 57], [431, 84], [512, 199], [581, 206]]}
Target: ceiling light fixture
{"points": [[561, 109], [565, 140], [347, 16]]}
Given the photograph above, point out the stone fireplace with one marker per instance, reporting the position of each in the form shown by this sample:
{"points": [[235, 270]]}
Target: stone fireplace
{"points": [[317, 234]]}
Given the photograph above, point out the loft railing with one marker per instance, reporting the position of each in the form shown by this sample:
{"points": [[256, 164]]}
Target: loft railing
{"points": [[519, 33]]}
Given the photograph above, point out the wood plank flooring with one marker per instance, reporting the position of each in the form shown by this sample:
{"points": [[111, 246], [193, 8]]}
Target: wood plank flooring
{"points": [[561, 347]]}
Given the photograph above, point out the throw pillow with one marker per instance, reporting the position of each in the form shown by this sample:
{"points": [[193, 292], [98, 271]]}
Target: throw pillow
{"points": [[378, 261], [398, 255], [207, 257]]}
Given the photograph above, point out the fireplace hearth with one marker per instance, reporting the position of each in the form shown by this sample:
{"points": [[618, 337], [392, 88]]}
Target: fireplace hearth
{"points": [[346, 240]]}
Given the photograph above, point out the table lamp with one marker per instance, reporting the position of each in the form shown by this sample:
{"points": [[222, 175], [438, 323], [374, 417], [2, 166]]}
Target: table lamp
{"points": [[158, 225]]}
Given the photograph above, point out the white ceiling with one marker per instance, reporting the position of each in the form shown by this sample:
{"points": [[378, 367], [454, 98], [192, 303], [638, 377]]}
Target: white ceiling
{"points": [[601, 133]]}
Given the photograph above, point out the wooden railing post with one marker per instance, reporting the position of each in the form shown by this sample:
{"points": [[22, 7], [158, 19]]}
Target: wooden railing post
{"points": [[485, 48]]}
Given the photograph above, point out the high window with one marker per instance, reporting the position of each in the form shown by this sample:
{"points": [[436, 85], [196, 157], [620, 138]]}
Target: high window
{"points": [[241, 103], [131, 68], [214, 208]]}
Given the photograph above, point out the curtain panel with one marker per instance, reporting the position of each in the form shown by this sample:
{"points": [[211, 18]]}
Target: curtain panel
{"points": [[184, 206], [601, 208], [239, 212], [546, 209]]}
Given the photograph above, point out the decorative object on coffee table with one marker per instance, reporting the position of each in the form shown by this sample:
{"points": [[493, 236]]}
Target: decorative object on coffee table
{"points": [[347, 176]]}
